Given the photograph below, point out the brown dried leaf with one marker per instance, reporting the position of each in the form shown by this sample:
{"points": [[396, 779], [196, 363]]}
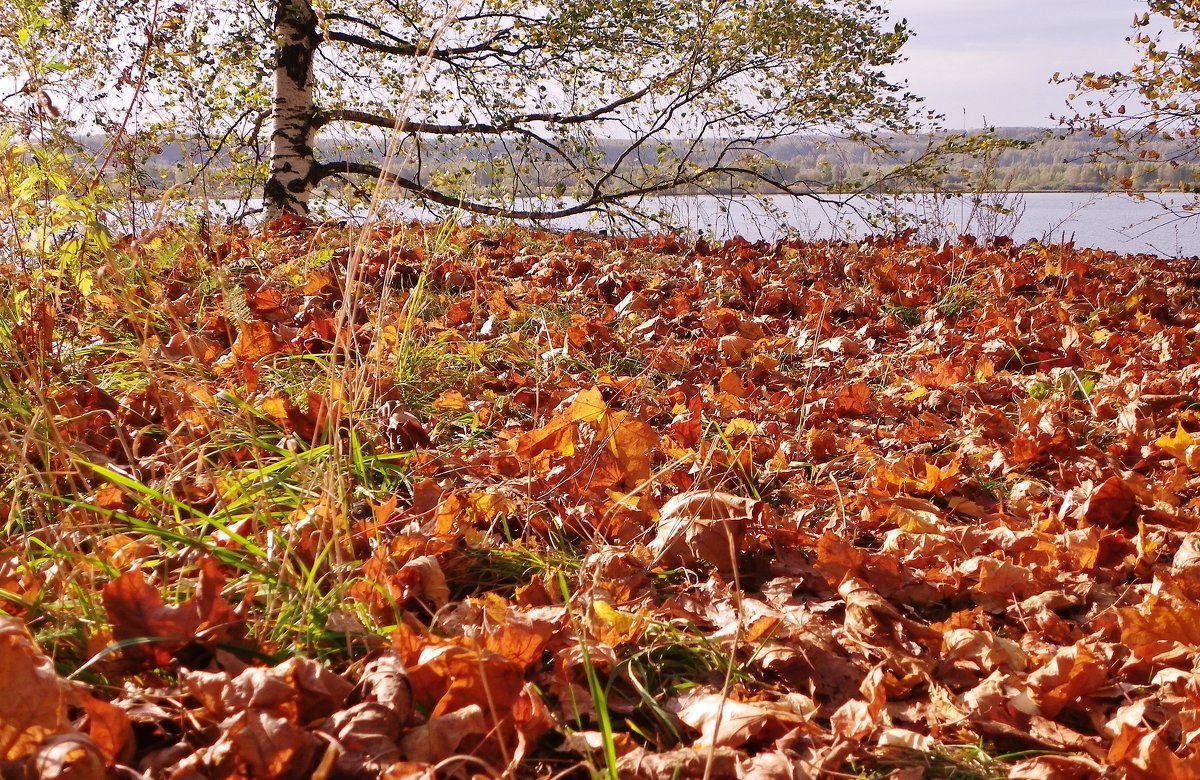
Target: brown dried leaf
{"points": [[255, 340], [875, 622], [70, 756], [629, 442], [385, 681], [985, 649], [109, 728], [32, 697], [299, 689], [1145, 755], [853, 720], [1112, 505], [702, 526], [724, 722], [1055, 768], [367, 734], [445, 735], [258, 744], [137, 612], [1160, 623], [1068, 677], [643, 764]]}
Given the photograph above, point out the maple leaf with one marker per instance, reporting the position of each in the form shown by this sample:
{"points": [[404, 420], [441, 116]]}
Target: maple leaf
{"points": [[1183, 446], [33, 700], [255, 340], [724, 722], [1161, 622], [1067, 678], [109, 728], [917, 474], [702, 526], [137, 612]]}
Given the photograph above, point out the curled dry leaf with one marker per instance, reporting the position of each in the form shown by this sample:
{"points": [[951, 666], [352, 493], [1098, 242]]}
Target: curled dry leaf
{"points": [[1144, 755], [257, 744], [70, 756], [642, 764], [873, 620], [1186, 563], [1112, 505], [772, 765], [33, 705], [387, 583], [366, 734], [922, 743], [299, 688], [400, 430], [1067, 678], [532, 720], [724, 722], [385, 681], [985, 649], [446, 735], [855, 719], [702, 526]]}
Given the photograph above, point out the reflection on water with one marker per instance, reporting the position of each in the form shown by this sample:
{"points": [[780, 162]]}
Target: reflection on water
{"points": [[1114, 222]]}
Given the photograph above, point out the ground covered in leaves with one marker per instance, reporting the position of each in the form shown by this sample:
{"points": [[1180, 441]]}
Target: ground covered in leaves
{"points": [[437, 501]]}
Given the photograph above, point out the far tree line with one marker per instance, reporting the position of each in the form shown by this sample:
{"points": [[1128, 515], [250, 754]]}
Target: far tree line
{"points": [[1023, 160]]}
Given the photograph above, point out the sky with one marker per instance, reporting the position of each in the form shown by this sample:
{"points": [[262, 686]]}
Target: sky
{"points": [[988, 62]]}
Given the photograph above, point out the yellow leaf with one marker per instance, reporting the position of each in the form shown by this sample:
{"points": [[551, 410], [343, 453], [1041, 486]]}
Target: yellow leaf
{"points": [[739, 425], [914, 521], [450, 401], [625, 500], [588, 406], [615, 619], [1178, 444]]}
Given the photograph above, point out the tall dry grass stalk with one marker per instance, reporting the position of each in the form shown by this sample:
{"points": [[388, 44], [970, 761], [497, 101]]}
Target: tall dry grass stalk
{"points": [[353, 374]]}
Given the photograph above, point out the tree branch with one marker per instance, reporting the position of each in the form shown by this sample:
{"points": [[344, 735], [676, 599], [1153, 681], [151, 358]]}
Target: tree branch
{"points": [[479, 128], [592, 204]]}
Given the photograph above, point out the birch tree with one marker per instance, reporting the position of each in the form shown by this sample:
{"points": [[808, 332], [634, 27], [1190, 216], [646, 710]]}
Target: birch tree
{"points": [[517, 108]]}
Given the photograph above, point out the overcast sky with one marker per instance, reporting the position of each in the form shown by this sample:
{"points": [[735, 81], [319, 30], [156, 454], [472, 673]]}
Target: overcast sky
{"points": [[988, 62]]}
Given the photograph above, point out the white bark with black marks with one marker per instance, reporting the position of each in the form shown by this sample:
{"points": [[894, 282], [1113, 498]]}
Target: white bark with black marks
{"points": [[294, 169]]}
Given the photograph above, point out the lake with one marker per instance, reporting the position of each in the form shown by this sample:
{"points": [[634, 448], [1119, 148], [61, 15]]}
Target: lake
{"points": [[1115, 222]]}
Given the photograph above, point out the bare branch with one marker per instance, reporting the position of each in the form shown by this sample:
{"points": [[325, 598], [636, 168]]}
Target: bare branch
{"points": [[592, 204], [479, 128]]}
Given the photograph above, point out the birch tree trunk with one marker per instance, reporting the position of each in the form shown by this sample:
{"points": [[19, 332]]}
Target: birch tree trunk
{"points": [[294, 169]]}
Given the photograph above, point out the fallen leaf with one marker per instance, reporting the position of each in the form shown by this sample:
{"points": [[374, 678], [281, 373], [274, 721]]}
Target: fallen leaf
{"points": [[702, 526], [137, 612], [724, 722], [1112, 505], [70, 756], [445, 735], [1067, 679], [33, 702]]}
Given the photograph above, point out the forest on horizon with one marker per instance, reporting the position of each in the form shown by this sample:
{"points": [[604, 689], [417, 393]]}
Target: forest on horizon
{"points": [[1023, 159]]}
